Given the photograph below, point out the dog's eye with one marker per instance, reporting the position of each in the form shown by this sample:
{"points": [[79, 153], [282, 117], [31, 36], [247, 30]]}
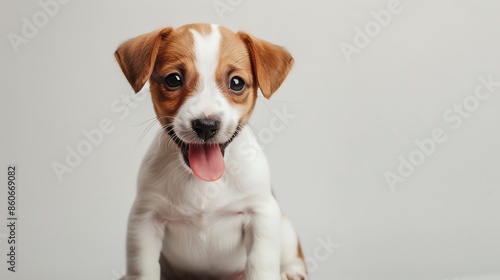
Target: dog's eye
{"points": [[173, 81], [236, 84]]}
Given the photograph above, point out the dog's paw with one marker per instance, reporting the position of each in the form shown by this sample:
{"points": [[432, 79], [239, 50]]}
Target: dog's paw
{"points": [[295, 271], [293, 276]]}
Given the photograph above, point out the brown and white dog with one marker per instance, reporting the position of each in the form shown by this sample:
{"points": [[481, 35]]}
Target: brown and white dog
{"points": [[204, 207]]}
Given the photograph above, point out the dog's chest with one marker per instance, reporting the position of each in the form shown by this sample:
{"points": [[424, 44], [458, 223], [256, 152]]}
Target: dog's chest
{"points": [[208, 235], [205, 214]]}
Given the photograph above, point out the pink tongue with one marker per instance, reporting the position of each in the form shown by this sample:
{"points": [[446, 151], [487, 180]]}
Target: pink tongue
{"points": [[206, 161]]}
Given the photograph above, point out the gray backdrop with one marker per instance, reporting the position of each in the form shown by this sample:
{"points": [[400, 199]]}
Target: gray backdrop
{"points": [[383, 141]]}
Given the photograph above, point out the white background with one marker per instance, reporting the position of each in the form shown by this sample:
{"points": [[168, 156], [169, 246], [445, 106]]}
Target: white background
{"points": [[351, 122]]}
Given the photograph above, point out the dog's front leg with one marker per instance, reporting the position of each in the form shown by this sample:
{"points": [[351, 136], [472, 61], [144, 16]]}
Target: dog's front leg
{"points": [[144, 244], [263, 260]]}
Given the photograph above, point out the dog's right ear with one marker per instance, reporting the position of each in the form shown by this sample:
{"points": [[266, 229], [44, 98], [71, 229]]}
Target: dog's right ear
{"points": [[137, 56]]}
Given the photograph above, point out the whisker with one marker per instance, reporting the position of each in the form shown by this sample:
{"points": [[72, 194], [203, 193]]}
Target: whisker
{"points": [[159, 140], [158, 119], [264, 102], [137, 95], [148, 128], [281, 101], [152, 119], [149, 120], [146, 131]]}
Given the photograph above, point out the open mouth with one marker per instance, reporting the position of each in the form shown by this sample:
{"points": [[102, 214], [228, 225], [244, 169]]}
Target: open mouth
{"points": [[206, 160]]}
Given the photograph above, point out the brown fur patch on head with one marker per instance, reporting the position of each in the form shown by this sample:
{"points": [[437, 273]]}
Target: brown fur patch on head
{"points": [[234, 60], [176, 55]]}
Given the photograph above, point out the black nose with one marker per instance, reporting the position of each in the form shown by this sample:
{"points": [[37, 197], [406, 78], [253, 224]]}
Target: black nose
{"points": [[205, 128]]}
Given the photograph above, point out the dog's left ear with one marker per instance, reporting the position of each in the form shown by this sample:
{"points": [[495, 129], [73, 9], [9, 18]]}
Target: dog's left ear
{"points": [[271, 63], [137, 56]]}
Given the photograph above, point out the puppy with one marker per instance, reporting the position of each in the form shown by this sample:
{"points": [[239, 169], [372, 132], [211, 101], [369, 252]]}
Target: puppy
{"points": [[204, 207]]}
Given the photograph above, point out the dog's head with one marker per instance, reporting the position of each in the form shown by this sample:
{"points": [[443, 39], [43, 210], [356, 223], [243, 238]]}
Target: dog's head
{"points": [[203, 80]]}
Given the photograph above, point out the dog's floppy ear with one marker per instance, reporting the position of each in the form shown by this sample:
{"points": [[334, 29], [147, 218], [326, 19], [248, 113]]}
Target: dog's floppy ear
{"points": [[271, 63], [137, 56]]}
